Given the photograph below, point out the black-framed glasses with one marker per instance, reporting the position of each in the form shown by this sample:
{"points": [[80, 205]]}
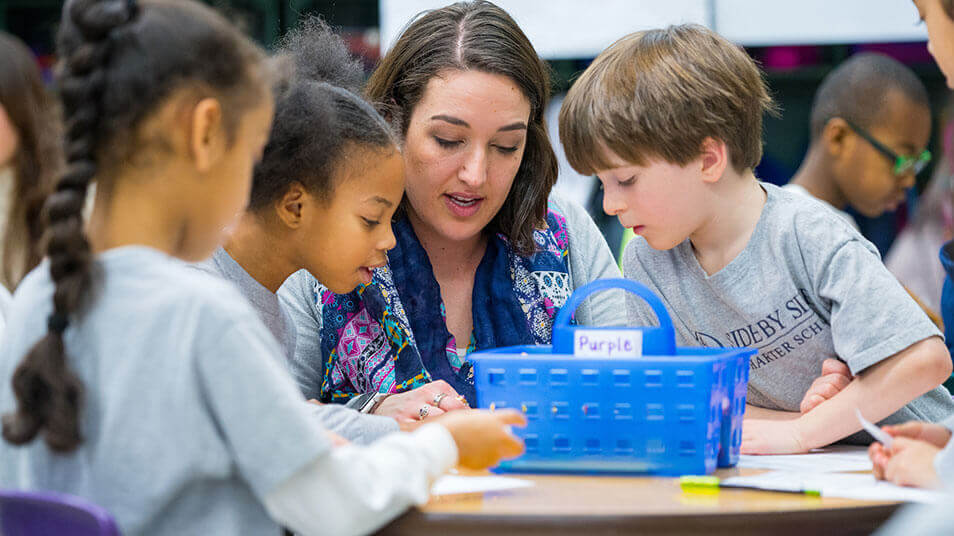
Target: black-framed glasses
{"points": [[903, 165]]}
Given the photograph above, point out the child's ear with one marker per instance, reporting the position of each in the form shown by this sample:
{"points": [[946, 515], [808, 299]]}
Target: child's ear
{"points": [[291, 206], [207, 142], [834, 136], [715, 158]]}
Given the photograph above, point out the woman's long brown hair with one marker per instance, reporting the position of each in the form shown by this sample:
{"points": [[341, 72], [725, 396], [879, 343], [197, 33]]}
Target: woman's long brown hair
{"points": [[36, 162]]}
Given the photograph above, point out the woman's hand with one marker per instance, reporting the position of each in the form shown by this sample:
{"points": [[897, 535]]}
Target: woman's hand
{"points": [[835, 376], [418, 404], [483, 437]]}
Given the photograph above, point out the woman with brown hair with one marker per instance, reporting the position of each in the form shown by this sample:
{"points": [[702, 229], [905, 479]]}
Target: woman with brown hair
{"points": [[485, 255], [29, 157]]}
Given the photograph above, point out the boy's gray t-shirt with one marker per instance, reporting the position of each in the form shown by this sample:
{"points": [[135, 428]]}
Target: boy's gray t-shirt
{"points": [[187, 423], [806, 287]]}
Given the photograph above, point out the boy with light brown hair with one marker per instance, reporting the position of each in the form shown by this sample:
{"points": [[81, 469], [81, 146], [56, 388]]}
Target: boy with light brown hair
{"points": [[670, 121]]}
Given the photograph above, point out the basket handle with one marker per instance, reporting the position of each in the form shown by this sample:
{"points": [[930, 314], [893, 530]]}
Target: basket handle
{"points": [[659, 340]]}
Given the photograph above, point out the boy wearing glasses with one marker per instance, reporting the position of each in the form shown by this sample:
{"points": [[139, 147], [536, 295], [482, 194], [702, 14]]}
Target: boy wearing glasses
{"points": [[670, 121], [870, 124]]}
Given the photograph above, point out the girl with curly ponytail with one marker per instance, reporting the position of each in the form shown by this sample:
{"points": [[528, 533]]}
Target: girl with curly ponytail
{"points": [[323, 196], [141, 384]]}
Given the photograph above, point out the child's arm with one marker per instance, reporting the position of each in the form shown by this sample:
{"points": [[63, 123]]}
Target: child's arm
{"points": [[306, 365], [879, 391], [356, 490], [757, 413], [835, 376]]}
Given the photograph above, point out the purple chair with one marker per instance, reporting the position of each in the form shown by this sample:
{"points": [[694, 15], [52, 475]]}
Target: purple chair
{"points": [[24, 513]]}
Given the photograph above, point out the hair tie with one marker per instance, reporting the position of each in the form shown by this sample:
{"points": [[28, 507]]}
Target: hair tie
{"points": [[57, 322]]}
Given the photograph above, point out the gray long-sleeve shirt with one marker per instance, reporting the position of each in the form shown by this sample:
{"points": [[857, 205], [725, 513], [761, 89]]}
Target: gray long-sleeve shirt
{"points": [[346, 422]]}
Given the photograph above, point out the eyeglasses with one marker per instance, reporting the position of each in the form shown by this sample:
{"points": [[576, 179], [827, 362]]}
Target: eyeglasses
{"points": [[903, 165]]}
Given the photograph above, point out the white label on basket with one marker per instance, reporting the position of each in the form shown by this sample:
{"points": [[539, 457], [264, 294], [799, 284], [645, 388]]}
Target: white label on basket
{"points": [[607, 343]]}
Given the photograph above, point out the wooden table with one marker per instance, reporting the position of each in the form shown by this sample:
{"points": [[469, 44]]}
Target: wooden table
{"points": [[646, 505]]}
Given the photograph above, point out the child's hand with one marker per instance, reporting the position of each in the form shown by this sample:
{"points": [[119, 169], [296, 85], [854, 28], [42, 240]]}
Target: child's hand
{"points": [[909, 462], [835, 376], [483, 437], [760, 436], [879, 459], [929, 432]]}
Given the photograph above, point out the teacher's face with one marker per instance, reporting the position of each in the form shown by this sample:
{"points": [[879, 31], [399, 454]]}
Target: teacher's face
{"points": [[462, 150]]}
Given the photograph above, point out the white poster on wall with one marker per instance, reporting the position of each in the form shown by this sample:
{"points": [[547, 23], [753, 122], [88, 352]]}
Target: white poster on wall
{"points": [[564, 28], [561, 29], [806, 22]]}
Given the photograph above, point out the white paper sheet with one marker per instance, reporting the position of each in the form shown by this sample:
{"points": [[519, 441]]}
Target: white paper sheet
{"points": [[836, 459], [843, 485], [451, 484]]}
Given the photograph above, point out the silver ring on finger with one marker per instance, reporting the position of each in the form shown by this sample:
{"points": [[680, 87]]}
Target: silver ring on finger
{"points": [[437, 399], [422, 413]]}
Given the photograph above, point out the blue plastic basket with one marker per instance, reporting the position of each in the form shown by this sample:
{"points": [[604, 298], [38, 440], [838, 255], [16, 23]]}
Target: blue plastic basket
{"points": [[670, 411]]}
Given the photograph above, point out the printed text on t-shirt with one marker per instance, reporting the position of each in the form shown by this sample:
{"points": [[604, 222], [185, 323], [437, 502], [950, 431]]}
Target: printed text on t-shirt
{"points": [[775, 335]]}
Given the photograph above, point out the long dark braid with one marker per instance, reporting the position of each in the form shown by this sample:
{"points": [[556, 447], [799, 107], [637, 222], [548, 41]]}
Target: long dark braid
{"points": [[120, 61], [49, 393]]}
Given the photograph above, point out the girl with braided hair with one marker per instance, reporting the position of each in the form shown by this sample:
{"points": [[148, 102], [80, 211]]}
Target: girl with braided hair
{"points": [[148, 387]]}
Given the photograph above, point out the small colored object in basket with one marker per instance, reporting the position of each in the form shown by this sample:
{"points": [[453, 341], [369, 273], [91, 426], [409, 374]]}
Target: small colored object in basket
{"points": [[708, 484]]}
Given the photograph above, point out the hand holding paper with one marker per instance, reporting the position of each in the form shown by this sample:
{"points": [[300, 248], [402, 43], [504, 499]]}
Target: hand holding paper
{"points": [[911, 463]]}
